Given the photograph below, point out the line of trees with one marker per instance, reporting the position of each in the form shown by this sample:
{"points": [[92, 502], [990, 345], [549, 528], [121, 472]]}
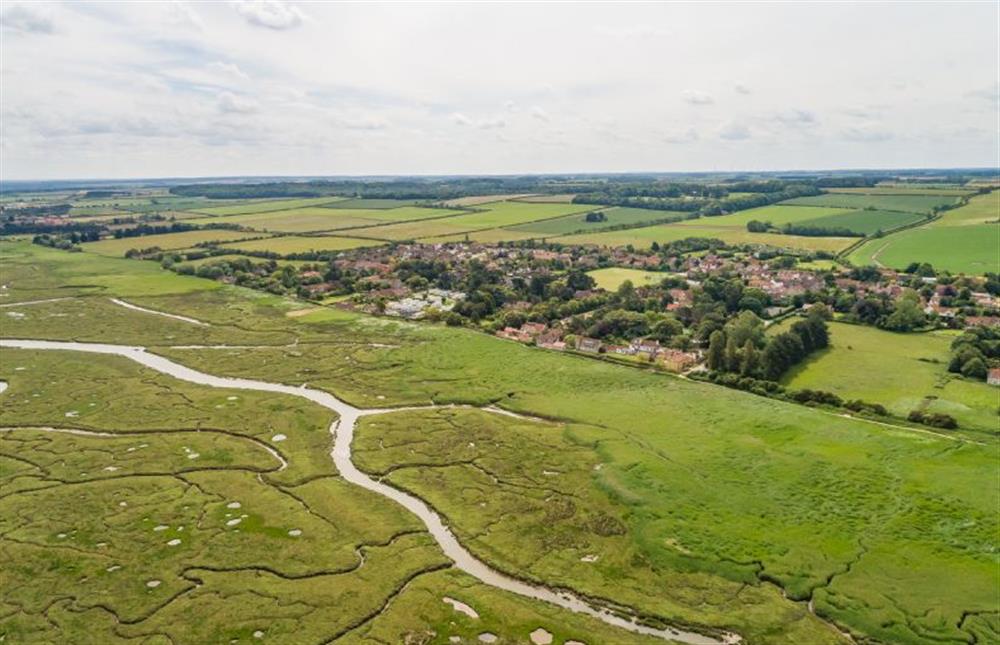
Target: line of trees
{"points": [[741, 346]]}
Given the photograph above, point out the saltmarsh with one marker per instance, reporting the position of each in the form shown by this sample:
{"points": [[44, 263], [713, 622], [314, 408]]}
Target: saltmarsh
{"points": [[717, 491]]}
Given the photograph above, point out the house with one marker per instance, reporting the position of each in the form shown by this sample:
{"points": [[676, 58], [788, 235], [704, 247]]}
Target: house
{"points": [[624, 350], [645, 345], [993, 376], [677, 361], [982, 321], [589, 345]]}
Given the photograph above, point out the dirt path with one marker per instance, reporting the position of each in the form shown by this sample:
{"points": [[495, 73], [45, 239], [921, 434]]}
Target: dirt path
{"points": [[343, 433], [129, 305]]}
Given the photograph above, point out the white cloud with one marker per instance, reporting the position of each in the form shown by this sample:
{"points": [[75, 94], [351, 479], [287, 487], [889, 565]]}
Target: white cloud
{"points": [[230, 69], [697, 97], [491, 124], [181, 14], [796, 118], [229, 103], [540, 114], [272, 14], [26, 19], [687, 136], [866, 134], [460, 119], [740, 88], [734, 131]]}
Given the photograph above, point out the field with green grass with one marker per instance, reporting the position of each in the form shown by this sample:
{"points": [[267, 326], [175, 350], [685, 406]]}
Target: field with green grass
{"points": [[493, 215], [775, 214], [116, 247], [704, 227], [864, 222], [296, 220], [298, 244], [266, 205], [903, 372], [376, 204], [577, 223], [910, 203], [737, 510], [966, 239], [953, 191], [613, 277]]}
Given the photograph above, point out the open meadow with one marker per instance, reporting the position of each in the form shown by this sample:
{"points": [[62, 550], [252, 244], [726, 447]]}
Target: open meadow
{"points": [[613, 277], [963, 240], [290, 244], [903, 372], [908, 203], [116, 247]]}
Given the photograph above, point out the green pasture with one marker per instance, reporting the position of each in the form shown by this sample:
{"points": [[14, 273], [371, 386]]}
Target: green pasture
{"points": [[663, 233], [962, 240], [267, 205], [116, 247], [903, 372], [909, 203], [865, 222], [298, 244], [612, 277], [575, 223]]}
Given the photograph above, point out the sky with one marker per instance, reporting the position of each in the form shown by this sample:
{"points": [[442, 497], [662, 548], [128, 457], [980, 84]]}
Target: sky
{"points": [[268, 87]]}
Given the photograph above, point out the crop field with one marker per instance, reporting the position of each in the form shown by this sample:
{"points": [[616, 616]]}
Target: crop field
{"points": [[562, 198], [962, 240], [661, 233], [266, 205], [296, 220], [956, 191], [909, 203], [486, 236], [298, 244], [737, 509], [220, 258], [775, 214], [613, 277], [166, 241], [477, 200], [376, 204], [903, 372], [577, 223], [492, 215], [865, 222]]}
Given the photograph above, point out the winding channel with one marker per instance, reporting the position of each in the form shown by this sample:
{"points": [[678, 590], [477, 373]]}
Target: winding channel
{"points": [[343, 434]]}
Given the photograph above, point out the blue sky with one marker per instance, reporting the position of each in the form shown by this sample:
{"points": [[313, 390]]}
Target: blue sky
{"points": [[284, 88]]}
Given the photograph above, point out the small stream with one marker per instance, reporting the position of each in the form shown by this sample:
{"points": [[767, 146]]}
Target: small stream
{"points": [[343, 433]]}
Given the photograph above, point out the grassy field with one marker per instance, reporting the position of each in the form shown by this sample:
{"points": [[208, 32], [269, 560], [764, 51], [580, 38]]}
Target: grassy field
{"points": [[956, 191], [166, 241], [377, 204], [684, 500], [613, 277], [494, 215], [775, 214], [297, 244], [296, 220], [910, 203], [865, 222], [644, 237], [616, 216], [903, 372], [267, 205], [962, 240]]}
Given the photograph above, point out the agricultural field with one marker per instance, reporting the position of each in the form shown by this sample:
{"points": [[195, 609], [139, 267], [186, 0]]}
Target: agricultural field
{"points": [[909, 203], [661, 233], [736, 519], [166, 241], [865, 222], [577, 223], [489, 216], [613, 277], [318, 218], [903, 372], [266, 206], [962, 240], [374, 204], [776, 214], [955, 191], [290, 244]]}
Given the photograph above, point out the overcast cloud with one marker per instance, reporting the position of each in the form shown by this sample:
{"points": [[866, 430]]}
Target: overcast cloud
{"points": [[267, 87]]}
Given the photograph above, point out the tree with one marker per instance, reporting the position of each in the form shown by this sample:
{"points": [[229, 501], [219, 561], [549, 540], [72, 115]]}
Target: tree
{"points": [[907, 315], [732, 355], [715, 357], [749, 361], [974, 368]]}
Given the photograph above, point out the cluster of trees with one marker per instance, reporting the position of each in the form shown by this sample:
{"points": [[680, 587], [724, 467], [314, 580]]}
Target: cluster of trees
{"points": [[741, 346], [819, 231], [595, 216], [66, 241], [933, 419], [903, 314], [974, 351], [44, 210]]}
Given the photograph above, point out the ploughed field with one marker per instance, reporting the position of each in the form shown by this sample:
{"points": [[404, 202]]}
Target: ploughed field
{"points": [[689, 504]]}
